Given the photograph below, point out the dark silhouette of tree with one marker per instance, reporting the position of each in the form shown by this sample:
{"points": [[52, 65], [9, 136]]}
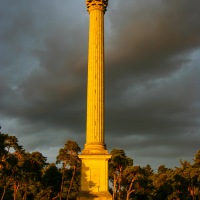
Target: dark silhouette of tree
{"points": [[9, 169], [31, 165], [27, 176], [51, 181], [118, 162], [68, 156], [162, 182]]}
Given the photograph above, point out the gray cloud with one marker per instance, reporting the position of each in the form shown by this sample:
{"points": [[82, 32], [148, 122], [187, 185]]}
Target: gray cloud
{"points": [[152, 76]]}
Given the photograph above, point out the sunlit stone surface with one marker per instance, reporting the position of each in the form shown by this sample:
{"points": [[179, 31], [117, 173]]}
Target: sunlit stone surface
{"points": [[94, 172]]}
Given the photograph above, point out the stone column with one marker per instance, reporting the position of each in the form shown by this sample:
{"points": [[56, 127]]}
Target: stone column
{"points": [[94, 169], [95, 85]]}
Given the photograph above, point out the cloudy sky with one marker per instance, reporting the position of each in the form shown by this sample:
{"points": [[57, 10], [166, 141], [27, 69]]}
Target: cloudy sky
{"points": [[152, 70]]}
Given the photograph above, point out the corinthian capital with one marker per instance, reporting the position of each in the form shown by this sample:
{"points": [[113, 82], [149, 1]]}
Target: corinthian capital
{"points": [[96, 4]]}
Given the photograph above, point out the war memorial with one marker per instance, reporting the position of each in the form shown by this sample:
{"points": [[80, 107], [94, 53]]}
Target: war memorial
{"points": [[94, 171]]}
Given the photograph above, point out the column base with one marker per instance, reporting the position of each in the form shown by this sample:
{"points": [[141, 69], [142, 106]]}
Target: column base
{"points": [[94, 177], [95, 148], [94, 196]]}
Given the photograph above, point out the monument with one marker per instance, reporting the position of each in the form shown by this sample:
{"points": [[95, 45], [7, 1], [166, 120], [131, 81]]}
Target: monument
{"points": [[94, 172]]}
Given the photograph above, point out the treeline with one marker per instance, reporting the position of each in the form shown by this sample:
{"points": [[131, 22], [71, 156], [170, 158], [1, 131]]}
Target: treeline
{"points": [[28, 176], [132, 182]]}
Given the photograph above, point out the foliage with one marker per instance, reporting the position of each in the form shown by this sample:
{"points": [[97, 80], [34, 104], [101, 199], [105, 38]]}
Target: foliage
{"points": [[70, 170], [117, 164], [27, 176]]}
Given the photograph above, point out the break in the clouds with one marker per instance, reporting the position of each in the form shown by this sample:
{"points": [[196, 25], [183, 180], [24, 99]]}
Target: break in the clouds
{"points": [[151, 74]]}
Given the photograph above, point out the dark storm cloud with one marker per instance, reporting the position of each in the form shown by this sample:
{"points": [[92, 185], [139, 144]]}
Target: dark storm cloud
{"points": [[152, 79], [152, 74], [147, 35], [43, 32], [42, 62], [170, 98]]}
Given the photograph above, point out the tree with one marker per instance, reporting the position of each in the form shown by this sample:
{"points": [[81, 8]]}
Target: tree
{"points": [[70, 160], [162, 181], [51, 181], [31, 165], [197, 159], [9, 169], [130, 175], [9, 174], [137, 182], [18, 169], [191, 175], [118, 162], [196, 165], [146, 188], [2, 145]]}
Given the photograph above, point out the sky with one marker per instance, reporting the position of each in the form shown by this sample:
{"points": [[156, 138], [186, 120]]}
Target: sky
{"points": [[152, 70]]}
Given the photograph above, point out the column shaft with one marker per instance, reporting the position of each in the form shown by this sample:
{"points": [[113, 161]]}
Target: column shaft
{"points": [[95, 87]]}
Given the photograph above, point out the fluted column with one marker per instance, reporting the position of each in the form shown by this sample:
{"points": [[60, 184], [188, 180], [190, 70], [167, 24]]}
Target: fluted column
{"points": [[95, 85], [94, 157]]}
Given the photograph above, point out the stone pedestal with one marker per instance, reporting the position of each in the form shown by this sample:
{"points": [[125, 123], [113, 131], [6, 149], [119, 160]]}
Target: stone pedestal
{"points": [[94, 177], [94, 196]]}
